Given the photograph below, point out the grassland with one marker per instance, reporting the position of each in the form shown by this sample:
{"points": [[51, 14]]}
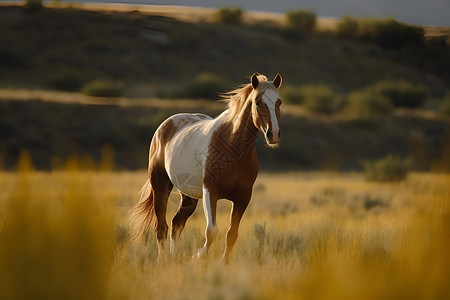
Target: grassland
{"points": [[313, 235]]}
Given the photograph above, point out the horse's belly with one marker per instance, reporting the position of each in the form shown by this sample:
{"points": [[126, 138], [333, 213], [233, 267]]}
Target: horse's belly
{"points": [[188, 184], [185, 161]]}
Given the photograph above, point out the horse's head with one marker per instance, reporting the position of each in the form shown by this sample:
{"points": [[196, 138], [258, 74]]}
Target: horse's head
{"points": [[266, 107]]}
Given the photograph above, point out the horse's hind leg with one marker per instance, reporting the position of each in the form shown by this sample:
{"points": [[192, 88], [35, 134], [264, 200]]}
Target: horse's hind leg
{"points": [[186, 209], [161, 187]]}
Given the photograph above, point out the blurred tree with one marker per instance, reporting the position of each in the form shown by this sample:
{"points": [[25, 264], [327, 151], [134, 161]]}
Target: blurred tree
{"points": [[229, 15], [347, 27], [56, 2], [303, 20], [33, 4]]}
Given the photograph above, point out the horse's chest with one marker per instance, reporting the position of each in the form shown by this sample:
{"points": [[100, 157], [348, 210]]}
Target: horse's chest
{"points": [[231, 176]]}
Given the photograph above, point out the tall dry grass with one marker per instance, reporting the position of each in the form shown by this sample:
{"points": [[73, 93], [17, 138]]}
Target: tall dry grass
{"points": [[57, 236], [304, 236]]}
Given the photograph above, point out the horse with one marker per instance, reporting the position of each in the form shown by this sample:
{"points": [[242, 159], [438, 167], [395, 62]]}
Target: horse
{"points": [[208, 159]]}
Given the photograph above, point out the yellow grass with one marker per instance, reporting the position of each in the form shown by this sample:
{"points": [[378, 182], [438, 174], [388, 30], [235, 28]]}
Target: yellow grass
{"points": [[304, 236]]}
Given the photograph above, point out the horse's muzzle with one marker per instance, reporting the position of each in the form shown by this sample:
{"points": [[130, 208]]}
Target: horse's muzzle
{"points": [[270, 138]]}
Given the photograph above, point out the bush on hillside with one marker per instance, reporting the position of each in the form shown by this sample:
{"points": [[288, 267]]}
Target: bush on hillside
{"points": [[319, 98], [204, 86], [291, 94], [103, 88], [229, 15], [33, 4], [445, 105], [391, 168], [367, 105], [347, 28], [302, 20], [389, 33], [401, 93]]}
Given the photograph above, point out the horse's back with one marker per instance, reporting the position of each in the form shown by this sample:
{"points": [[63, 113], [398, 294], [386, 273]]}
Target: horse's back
{"points": [[174, 124]]}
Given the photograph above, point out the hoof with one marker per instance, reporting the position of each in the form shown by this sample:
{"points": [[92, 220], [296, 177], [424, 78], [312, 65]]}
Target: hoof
{"points": [[201, 253]]}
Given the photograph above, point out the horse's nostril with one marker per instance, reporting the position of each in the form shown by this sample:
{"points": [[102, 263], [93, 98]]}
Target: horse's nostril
{"points": [[269, 134]]}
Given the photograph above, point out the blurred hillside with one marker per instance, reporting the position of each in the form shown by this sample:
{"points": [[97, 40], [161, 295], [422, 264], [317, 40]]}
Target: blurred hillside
{"points": [[431, 12], [53, 132], [149, 54], [145, 56]]}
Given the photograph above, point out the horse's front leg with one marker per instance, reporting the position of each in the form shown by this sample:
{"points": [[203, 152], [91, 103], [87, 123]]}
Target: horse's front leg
{"points": [[239, 206], [209, 207]]}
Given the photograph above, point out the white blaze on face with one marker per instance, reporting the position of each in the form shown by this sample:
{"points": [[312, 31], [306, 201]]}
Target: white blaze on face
{"points": [[270, 98]]}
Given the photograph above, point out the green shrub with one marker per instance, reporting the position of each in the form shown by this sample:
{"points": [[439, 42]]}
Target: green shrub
{"points": [[56, 2], [259, 231], [319, 98], [229, 15], [347, 28], [367, 105], [33, 4], [413, 35], [445, 105], [65, 82], [103, 88], [390, 168], [302, 20], [290, 94], [205, 86], [402, 93], [389, 33]]}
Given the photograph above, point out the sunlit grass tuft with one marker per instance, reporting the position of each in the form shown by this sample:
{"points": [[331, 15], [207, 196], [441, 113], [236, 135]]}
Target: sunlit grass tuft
{"points": [[55, 244]]}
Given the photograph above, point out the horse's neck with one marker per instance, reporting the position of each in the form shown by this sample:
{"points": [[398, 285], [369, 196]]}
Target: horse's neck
{"points": [[244, 123], [242, 132]]}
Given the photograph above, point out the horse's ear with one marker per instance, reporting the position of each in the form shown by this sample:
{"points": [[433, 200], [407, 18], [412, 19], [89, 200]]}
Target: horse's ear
{"points": [[255, 81], [277, 81]]}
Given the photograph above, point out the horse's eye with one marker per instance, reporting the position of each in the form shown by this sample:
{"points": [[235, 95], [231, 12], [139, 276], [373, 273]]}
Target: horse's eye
{"points": [[258, 104]]}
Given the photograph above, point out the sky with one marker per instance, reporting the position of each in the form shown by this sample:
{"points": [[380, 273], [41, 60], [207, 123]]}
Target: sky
{"points": [[421, 12]]}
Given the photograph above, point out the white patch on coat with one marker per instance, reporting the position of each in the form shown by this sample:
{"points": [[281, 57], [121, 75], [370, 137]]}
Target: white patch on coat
{"points": [[186, 153], [270, 98]]}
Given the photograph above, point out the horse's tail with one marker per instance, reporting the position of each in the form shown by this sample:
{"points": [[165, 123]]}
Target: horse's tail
{"points": [[141, 216]]}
